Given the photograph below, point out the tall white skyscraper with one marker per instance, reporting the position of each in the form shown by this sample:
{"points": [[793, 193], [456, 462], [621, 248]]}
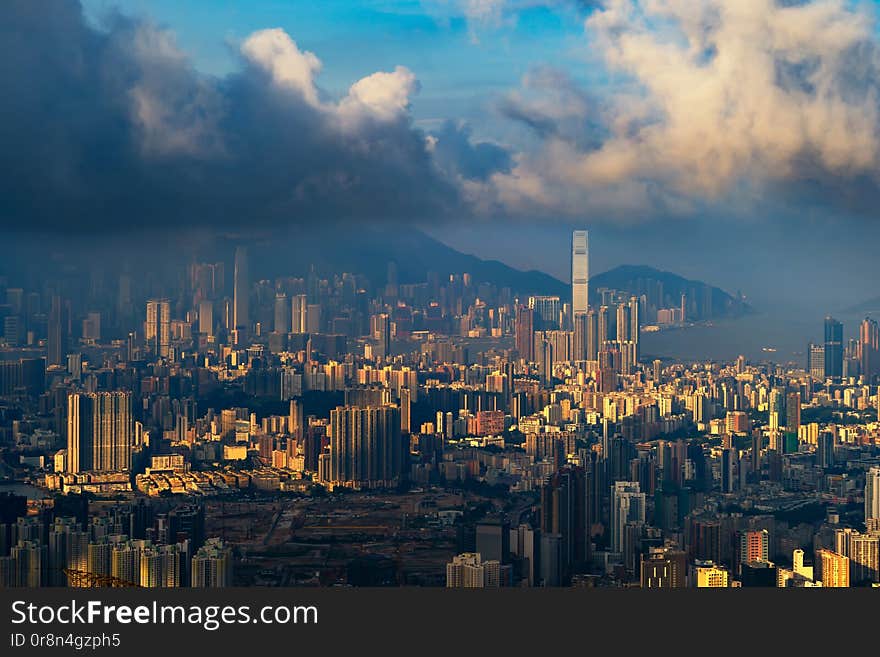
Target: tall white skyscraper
{"points": [[241, 293], [872, 494], [580, 272]]}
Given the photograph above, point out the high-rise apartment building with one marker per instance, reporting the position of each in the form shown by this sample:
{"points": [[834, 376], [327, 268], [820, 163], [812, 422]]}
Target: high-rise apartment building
{"points": [[212, 565], [525, 333], [754, 546], [366, 447], [99, 431], [627, 506], [664, 568], [157, 330], [469, 571], [872, 493], [833, 569]]}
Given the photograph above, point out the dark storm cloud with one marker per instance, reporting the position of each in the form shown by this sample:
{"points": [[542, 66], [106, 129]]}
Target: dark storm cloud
{"points": [[456, 152], [113, 129]]}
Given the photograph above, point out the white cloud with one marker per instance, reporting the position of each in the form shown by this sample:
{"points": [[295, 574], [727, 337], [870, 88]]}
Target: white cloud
{"points": [[278, 55], [383, 96], [731, 92]]}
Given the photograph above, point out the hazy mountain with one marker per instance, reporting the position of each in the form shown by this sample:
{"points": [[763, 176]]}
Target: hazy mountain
{"points": [[664, 290], [869, 306]]}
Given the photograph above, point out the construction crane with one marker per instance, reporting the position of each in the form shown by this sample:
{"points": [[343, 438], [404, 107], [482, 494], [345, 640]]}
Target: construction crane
{"points": [[83, 579]]}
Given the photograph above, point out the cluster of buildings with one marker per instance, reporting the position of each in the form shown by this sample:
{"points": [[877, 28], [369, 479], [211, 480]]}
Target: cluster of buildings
{"points": [[621, 469]]}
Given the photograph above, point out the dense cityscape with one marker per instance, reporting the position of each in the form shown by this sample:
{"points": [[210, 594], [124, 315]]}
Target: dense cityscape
{"points": [[332, 430]]}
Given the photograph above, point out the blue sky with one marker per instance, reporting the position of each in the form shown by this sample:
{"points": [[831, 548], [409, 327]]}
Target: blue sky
{"points": [[462, 67]]}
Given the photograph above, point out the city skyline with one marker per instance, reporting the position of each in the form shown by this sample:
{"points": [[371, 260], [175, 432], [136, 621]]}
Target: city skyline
{"points": [[439, 294]]}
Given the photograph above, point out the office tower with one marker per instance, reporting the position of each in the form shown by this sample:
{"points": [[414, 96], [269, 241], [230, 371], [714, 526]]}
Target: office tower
{"points": [[299, 310], [99, 431], [157, 330], [212, 565], [380, 330], [627, 506], [706, 575], [57, 332], [754, 546], [565, 511], [869, 348], [492, 540], [366, 448], [525, 333], [282, 314], [580, 272], [206, 317], [663, 568], [469, 571], [832, 569], [833, 348], [623, 323], [872, 494], [241, 294]]}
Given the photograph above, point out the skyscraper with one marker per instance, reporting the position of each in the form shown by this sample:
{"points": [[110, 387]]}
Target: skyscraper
{"points": [[99, 431], [627, 506], [602, 327], [212, 565], [525, 333], [56, 341], [282, 314], [299, 314], [833, 569], [872, 494], [469, 571], [366, 448], [565, 511], [754, 546], [816, 361], [580, 272], [833, 348], [380, 328], [635, 323], [241, 294], [869, 348], [157, 330]]}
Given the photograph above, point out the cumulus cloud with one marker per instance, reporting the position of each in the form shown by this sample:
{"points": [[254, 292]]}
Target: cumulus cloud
{"points": [[708, 97], [111, 129]]}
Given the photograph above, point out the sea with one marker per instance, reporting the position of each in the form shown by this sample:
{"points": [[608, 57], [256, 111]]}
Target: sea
{"points": [[763, 336]]}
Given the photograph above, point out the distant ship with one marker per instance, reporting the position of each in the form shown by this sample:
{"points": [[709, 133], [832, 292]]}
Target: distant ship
{"points": [[771, 350]]}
